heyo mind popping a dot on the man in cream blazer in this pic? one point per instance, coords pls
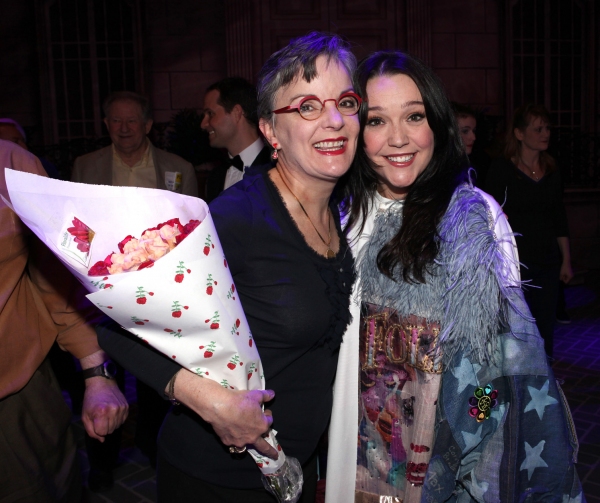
(132, 160)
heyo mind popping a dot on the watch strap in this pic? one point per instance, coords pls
(170, 393)
(97, 371)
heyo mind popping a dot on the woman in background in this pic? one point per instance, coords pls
(527, 182)
(456, 400)
(467, 126)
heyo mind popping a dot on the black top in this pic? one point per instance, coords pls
(535, 210)
(296, 302)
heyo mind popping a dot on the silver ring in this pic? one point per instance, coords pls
(237, 450)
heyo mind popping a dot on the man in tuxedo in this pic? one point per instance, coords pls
(231, 122)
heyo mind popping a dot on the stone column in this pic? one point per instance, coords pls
(238, 22)
(418, 29)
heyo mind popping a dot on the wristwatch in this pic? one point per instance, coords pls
(107, 370)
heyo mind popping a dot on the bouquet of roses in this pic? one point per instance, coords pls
(171, 286)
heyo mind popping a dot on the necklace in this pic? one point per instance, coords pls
(537, 178)
(330, 253)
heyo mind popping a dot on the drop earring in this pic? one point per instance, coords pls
(274, 155)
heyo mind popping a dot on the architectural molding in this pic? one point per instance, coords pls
(418, 29)
(238, 33)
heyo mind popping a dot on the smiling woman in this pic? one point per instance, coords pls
(443, 349)
(397, 137)
(314, 146)
(293, 271)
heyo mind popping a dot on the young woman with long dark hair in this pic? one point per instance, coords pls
(456, 400)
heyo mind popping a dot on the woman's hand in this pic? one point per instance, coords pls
(566, 272)
(236, 416)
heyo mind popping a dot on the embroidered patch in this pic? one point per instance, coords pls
(482, 402)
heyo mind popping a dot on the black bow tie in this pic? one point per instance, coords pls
(237, 163)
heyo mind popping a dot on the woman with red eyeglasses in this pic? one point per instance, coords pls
(281, 234)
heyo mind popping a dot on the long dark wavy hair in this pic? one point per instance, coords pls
(414, 248)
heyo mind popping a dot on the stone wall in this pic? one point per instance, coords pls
(19, 83)
(186, 52)
(185, 46)
(466, 52)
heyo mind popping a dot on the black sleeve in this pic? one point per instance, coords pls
(496, 180)
(561, 224)
(232, 214)
(137, 357)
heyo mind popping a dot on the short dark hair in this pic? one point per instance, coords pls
(463, 111)
(142, 101)
(299, 58)
(237, 91)
(415, 246)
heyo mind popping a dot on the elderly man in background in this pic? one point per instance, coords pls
(231, 123)
(38, 457)
(132, 160)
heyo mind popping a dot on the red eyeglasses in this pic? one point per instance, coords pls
(311, 107)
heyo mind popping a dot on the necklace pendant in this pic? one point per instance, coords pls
(330, 253)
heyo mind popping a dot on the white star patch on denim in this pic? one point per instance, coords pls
(472, 440)
(466, 373)
(533, 458)
(540, 399)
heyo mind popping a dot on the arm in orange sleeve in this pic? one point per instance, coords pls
(63, 310)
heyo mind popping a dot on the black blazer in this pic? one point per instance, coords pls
(216, 179)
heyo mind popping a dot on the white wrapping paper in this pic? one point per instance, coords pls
(185, 305)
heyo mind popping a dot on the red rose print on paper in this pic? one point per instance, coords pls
(234, 361)
(208, 245)
(251, 368)
(260, 461)
(226, 384)
(180, 272)
(234, 328)
(138, 321)
(209, 350)
(230, 292)
(209, 284)
(174, 333)
(214, 321)
(176, 309)
(101, 285)
(140, 295)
